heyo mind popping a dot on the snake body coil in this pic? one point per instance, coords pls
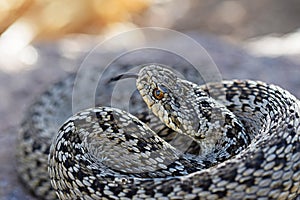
(246, 144)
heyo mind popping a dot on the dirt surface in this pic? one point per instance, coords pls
(19, 87)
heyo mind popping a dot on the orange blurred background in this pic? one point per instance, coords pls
(53, 18)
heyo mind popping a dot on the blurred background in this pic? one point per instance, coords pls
(267, 27)
(42, 40)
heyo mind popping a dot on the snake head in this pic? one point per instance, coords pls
(169, 98)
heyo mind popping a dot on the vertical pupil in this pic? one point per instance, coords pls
(157, 92)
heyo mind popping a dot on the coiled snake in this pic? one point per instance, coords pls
(242, 144)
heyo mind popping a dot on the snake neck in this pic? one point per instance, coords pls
(187, 109)
(219, 132)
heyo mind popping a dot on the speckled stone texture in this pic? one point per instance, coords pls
(18, 89)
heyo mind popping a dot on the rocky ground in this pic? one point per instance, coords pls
(19, 86)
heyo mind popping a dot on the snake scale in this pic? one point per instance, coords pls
(240, 139)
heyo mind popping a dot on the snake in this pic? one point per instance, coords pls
(239, 139)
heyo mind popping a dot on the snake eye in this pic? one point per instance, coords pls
(158, 94)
